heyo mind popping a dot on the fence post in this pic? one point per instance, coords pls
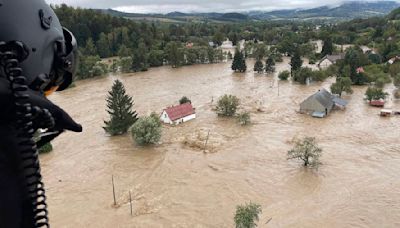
(112, 178)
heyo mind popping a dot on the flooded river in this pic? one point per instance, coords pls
(177, 185)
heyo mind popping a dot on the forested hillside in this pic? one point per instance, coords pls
(143, 44)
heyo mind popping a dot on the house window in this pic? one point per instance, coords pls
(165, 115)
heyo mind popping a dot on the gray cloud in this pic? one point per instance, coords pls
(165, 6)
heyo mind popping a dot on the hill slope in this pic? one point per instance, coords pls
(346, 11)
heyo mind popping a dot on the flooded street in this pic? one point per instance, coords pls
(177, 185)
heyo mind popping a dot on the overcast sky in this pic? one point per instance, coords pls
(166, 6)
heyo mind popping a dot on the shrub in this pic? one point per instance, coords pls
(147, 130)
(46, 148)
(227, 105)
(246, 216)
(318, 75)
(244, 118)
(284, 75)
(184, 100)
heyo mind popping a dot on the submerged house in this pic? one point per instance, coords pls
(321, 103)
(178, 114)
(329, 60)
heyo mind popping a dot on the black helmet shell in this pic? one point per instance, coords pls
(35, 24)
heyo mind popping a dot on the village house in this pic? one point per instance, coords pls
(227, 44)
(321, 103)
(393, 60)
(367, 50)
(178, 114)
(328, 60)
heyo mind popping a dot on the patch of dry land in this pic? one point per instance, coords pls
(176, 184)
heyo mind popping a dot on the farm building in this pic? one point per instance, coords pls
(377, 103)
(178, 114)
(321, 103)
(329, 60)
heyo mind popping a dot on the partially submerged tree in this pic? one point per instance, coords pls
(139, 58)
(244, 118)
(373, 93)
(296, 62)
(259, 67)
(306, 150)
(270, 65)
(119, 106)
(247, 215)
(174, 54)
(147, 130)
(342, 84)
(227, 105)
(327, 49)
(239, 62)
(302, 75)
(184, 100)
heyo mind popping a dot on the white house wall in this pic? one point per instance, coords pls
(325, 63)
(164, 118)
(185, 119)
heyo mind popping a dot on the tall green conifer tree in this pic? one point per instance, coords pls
(119, 106)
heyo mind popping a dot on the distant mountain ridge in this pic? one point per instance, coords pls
(346, 11)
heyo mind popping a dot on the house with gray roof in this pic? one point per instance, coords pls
(329, 60)
(321, 103)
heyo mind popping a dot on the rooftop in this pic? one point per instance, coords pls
(180, 111)
(324, 98)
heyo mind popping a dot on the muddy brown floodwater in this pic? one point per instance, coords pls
(177, 185)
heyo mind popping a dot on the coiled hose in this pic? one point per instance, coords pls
(27, 149)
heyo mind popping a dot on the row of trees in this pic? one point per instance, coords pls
(174, 54)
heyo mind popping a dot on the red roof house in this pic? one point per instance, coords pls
(178, 114)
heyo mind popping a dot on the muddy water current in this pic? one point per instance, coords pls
(177, 184)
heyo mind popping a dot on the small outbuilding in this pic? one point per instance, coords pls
(377, 103)
(321, 103)
(178, 114)
(386, 112)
